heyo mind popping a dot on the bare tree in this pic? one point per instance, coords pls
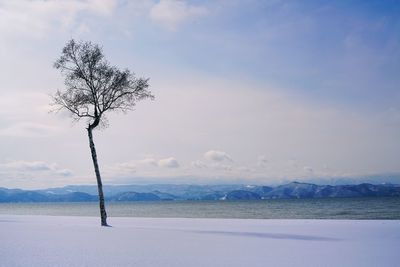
(93, 89)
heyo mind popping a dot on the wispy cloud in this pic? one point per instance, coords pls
(148, 161)
(198, 164)
(171, 14)
(37, 17)
(22, 115)
(28, 129)
(168, 163)
(148, 166)
(27, 166)
(215, 155)
(32, 170)
(262, 161)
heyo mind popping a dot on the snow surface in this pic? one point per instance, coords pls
(80, 241)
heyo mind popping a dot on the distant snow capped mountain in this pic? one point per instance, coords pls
(304, 190)
(242, 195)
(17, 195)
(292, 190)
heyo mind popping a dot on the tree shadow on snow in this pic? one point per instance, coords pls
(270, 235)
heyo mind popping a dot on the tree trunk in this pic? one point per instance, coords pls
(103, 213)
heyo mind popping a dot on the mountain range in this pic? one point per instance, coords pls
(198, 192)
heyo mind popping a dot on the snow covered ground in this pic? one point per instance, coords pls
(80, 241)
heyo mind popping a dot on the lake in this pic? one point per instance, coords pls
(333, 208)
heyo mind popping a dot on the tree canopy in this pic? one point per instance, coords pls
(93, 86)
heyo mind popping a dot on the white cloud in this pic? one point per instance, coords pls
(170, 14)
(198, 164)
(215, 155)
(148, 167)
(129, 166)
(17, 105)
(28, 129)
(222, 167)
(26, 166)
(149, 162)
(37, 17)
(30, 167)
(168, 163)
(64, 172)
(22, 115)
(123, 169)
(101, 7)
(37, 174)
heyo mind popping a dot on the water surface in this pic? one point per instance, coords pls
(338, 208)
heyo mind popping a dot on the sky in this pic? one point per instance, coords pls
(253, 92)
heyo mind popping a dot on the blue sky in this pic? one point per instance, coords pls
(246, 91)
(330, 50)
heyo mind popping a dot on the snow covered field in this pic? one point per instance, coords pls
(80, 241)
